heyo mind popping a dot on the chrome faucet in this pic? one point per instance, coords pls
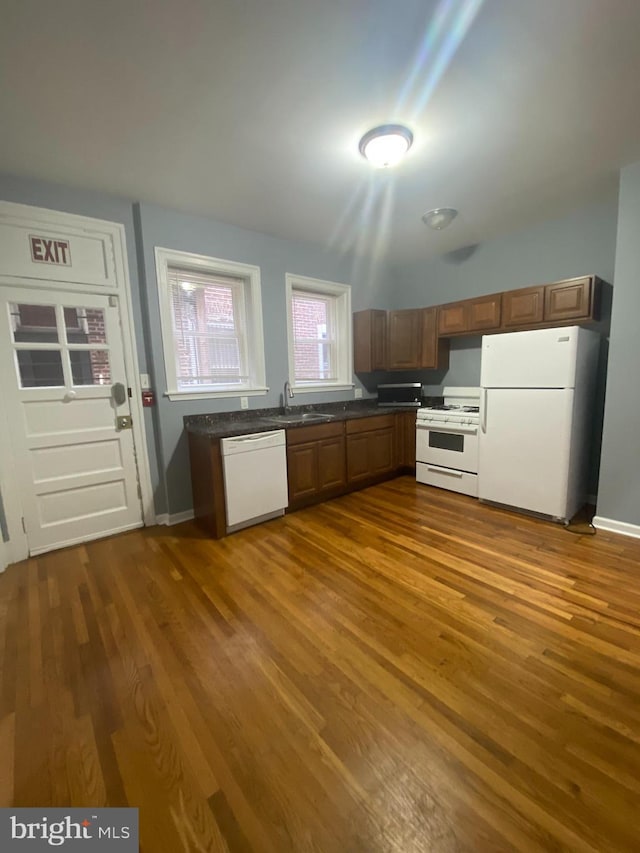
(287, 395)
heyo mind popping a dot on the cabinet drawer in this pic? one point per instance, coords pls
(366, 424)
(443, 478)
(315, 432)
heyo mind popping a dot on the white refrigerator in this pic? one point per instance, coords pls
(536, 411)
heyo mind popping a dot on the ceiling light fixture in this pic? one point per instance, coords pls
(386, 145)
(439, 217)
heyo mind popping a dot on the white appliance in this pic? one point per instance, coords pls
(535, 417)
(447, 442)
(255, 477)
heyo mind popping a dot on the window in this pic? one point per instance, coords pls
(319, 328)
(211, 317)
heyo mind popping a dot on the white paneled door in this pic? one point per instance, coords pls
(62, 378)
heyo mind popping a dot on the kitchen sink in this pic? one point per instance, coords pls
(304, 418)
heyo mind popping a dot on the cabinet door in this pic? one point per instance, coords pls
(406, 439)
(452, 319)
(568, 300)
(403, 339)
(331, 463)
(357, 457)
(435, 350)
(381, 451)
(522, 307)
(483, 314)
(302, 470)
(369, 341)
(378, 340)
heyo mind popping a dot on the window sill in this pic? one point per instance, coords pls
(213, 395)
(311, 389)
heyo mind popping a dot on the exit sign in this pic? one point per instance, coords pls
(49, 251)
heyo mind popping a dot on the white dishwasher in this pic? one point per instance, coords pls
(255, 477)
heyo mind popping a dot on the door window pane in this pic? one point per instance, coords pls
(40, 368)
(85, 326)
(33, 324)
(90, 367)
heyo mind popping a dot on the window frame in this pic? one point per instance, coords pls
(203, 264)
(341, 293)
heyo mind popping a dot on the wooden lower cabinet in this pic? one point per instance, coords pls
(207, 484)
(315, 463)
(371, 449)
(406, 440)
(323, 462)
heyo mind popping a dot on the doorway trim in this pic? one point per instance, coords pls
(23, 215)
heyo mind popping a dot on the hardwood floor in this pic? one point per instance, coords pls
(401, 669)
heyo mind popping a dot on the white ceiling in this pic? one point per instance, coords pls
(250, 111)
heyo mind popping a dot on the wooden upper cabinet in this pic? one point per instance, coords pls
(418, 338)
(369, 340)
(569, 300)
(435, 350)
(481, 314)
(404, 339)
(452, 319)
(523, 307)
(484, 313)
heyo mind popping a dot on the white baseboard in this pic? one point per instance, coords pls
(177, 517)
(613, 526)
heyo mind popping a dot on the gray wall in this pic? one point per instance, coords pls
(581, 242)
(619, 494)
(170, 229)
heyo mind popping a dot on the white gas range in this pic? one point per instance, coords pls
(447, 442)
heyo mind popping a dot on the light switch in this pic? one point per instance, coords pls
(145, 382)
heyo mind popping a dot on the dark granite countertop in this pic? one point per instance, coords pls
(226, 424)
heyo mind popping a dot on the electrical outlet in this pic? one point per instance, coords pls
(244, 402)
(358, 393)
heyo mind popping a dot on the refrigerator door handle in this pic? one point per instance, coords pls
(484, 410)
